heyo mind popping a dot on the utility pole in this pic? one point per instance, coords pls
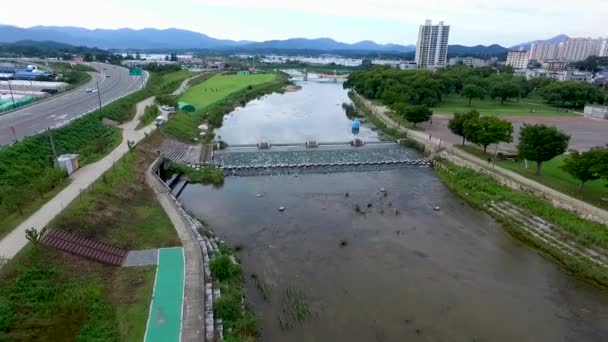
(53, 147)
(11, 91)
(98, 93)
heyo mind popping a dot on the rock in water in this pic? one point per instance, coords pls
(281, 208)
(436, 208)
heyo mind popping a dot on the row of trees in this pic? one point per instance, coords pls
(422, 87)
(539, 143)
(481, 130)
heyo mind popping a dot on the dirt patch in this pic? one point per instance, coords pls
(585, 133)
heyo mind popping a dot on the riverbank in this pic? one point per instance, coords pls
(574, 233)
(82, 299)
(27, 173)
(215, 97)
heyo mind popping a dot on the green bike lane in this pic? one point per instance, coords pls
(165, 317)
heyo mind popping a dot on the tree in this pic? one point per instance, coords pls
(571, 94)
(504, 90)
(541, 143)
(88, 57)
(366, 63)
(456, 124)
(471, 91)
(416, 114)
(601, 165)
(488, 130)
(584, 166)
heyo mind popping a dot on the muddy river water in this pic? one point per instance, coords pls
(395, 270)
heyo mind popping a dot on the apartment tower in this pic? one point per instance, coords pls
(432, 46)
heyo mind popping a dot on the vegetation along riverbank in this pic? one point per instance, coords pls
(217, 96)
(46, 294)
(28, 177)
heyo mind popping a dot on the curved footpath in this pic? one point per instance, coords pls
(583, 209)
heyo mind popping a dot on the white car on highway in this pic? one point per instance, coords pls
(89, 90)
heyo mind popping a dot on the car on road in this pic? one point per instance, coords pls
(107, 75)
(89, 90)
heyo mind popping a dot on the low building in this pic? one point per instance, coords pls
(564, 75)
(554, 65)
(598, 112)
(518, 59)
(470, 61)
(406, 65)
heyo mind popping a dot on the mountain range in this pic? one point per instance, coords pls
(155, 39)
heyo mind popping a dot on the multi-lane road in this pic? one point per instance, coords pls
(114, 82)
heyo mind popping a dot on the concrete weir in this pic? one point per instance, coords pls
(323, 158)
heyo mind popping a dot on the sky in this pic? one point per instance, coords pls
(505, 22)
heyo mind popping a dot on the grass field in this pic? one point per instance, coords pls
(456, 103)
(48, 295)
(220, 86)
(554, 177)
(216, 97)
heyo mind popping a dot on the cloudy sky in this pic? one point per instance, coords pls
(506, 22)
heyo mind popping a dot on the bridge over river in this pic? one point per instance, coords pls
(249, 160)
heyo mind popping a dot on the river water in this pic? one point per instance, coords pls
(312, 113)
(396, 270)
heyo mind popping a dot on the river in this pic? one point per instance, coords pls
(398, 270)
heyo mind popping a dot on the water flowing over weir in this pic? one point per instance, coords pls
(336, 157)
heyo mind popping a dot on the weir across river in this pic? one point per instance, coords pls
(250, 160)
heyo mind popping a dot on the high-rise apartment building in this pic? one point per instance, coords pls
(570, 50)
(518, 59)
(432, 46)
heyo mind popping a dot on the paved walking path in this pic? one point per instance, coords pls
(193, 323)
(165, 317)
(598, 214)
(11, 244)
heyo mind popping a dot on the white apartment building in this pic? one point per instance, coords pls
(432, 45)
(518, 59)
(470, 61)
(541, 51)
(570, 50)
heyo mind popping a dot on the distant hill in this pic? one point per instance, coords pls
(118, 39)
(557, 39)
(30, 48)
(154, 39)
(325, 44)
(476, 51)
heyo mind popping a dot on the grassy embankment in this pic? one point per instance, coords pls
(552, 176)
(48, 295)
(456, 103)
(27, 176)
(216, 97)
(480, 190)
(150, 113)
(240, 324)
(362, 108)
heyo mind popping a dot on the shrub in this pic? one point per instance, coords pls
(222, 268)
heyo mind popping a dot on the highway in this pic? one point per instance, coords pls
(61, 108)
